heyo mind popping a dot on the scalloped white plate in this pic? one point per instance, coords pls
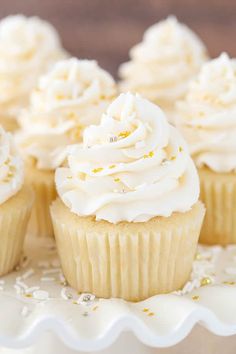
(35, 299)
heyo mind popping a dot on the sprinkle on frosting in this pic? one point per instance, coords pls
(11, 167)
(162, 65)
(150, 154)
(149, 188)
(124, 134)
(70, 97)
(98, 169)
(207, 115)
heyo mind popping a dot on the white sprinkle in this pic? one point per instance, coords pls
(65, 295)
(18, 289)
(51, 271)
(22, 284)
(40, 295)
(33, 288)
(230, 270)
(28, 273)
(1, 288)
(47, 279)
(25, 311)
(62, 278)
(2, 282)
(86, 299)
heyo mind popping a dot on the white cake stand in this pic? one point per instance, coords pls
(40, 312)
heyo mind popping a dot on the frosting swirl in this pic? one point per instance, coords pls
(131, 167)
(207, 115)
(11, 167)
(28, 46)
(162, 65)
(73, 95)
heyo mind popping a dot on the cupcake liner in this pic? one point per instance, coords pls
(42, 181)
(14, 216)
(218, 193)
(132, 261)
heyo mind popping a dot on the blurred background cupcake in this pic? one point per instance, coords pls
(16, 199)
(207, 119)
(163, 64)
(28, 47)
(71, 96)
(128, 218)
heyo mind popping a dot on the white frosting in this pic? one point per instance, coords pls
(207, 116)
(73, 95)
(11, 167)
(162, 65)
(131, 167)
(28, 47)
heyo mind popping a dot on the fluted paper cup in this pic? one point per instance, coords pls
(218, 193)
(14, 216)
(132, 261)
(43, 184)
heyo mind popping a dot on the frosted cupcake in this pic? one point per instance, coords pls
(73, 95)
(28, 47)
(15, 204)
(128, 218)
(162, 65)
(207, 119)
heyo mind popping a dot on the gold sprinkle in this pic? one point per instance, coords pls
(112, 166)
(150, 154)
(173, 158)
(145, 310)
(69, 177)
(96, 170)
(75, 302)
(205, 281)
(71, 115)
(198, 257)
(28, 295)
(195, 297)
(180, 149)
(94, 308)
(229, 283)
(124, 134)
(151, 314)
(117, 180)
(60, 97)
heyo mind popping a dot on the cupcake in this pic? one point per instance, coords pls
(162, 65)
(15, 204)
(72, 95)
(28, 47)
(206, 117)
(127, 219)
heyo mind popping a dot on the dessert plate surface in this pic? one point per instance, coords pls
(36, 298)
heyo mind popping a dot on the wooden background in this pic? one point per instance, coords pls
(106, 29)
